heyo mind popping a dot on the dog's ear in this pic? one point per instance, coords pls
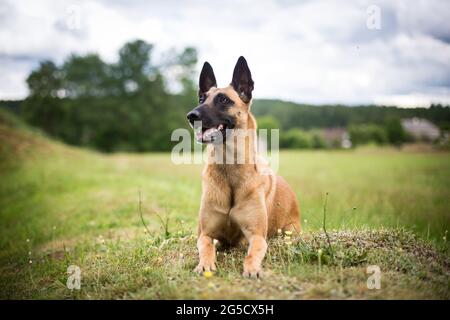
(207, 79)
(242, 80)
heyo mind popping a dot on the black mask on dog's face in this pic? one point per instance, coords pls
(220, 109)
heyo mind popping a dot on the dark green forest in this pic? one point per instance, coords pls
(127, 105)
(294, 115)
(123, 106)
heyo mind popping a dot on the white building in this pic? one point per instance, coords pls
(421, 129)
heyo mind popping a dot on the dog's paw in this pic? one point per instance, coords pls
(252, 272)
(202, 267)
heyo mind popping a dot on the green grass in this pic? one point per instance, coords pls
(62, 206)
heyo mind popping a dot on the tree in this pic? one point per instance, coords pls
(121, 106)
(133, 68)
(395, 133)
(295, 139)
(41, 107)
(45, 81)
(367, 133)
(86, 76)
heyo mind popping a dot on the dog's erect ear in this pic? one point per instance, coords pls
(242, 80)
(207, 79)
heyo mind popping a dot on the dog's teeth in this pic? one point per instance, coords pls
(220, 127)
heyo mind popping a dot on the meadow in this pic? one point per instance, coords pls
(128, 221)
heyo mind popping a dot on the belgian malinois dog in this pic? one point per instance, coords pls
(243, 202)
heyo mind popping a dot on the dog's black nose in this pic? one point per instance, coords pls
(194, 115)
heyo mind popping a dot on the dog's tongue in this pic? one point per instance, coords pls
(208, 134)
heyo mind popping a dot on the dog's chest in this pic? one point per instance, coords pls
(228, 231)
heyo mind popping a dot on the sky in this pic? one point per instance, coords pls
(320, 52)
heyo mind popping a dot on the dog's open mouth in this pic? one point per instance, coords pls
(206, 135)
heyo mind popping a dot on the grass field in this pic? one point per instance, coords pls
(62, 206)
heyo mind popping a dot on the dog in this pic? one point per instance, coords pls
(242, 202)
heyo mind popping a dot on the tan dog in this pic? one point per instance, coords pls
(241, 200)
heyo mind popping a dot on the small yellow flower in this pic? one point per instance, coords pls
(288, 233)
(319, 252)
(207, 274)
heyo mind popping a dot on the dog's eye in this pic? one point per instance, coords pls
(201, 98)
(224, 100)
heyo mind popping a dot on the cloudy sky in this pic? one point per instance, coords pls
(350, 52)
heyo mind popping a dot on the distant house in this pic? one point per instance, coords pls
(421, 129)
(337, 137)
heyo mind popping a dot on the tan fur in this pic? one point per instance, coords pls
(239, 203)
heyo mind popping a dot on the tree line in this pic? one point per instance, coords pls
(302, 124)
(120, 106)
(128, 105)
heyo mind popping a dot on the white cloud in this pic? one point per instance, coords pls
(314, 51)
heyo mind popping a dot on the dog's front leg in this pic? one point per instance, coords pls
(255, 255)
(207, 253)
(251, 216)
